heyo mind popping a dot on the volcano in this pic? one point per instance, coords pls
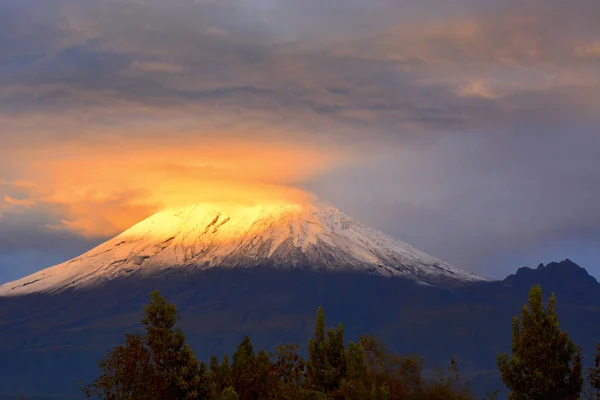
(263, 270)
(203, 236)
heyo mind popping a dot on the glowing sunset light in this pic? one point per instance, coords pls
(432, 121)
(221, 222)
(104, 190)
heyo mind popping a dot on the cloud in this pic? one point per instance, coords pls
(18, 202)
(451, 116)
(476, 89)
(591, 50)
(155, 66)
(225, 56)
(479, 202)
(102, 189)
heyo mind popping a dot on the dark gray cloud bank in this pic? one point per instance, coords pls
(471, 129)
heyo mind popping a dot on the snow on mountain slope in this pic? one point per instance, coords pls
(239, 236)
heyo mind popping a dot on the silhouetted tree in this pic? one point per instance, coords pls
(242, 370)
(594, 375)
(379, 392)
(220, 375)
(355, 384)
(316, 353)
(545, 364)
(289, 367)
(400, 375)
(326, 365)
(127, 373)
(266, 382)
(448, 387)
(177, 368)
(390, 376)
(159, 365)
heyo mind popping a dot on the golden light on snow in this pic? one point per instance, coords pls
(231, 235)
(219, 222)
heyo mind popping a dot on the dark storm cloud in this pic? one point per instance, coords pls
(246, 55)
(473, 124)
(482, 200)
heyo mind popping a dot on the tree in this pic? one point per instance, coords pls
(290, 371)
(229, 393)
(448, 387)
(159, 365)
(176, 366)
(326, 367)
(379, 392)
(242, 369)
(253, 376)
(594, 375)
(220, 375)
(266, 382)
(289, 366)
(545, 364)
(400, 375)
(315, 367)
(127, 373)
(335, 356)
(356, 383)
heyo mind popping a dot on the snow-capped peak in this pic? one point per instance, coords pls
(242, 236)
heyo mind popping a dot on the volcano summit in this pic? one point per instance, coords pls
(204, 236)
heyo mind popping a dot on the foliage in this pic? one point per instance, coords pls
(594, 376)
(545, 364)
(229, 393)
(220, 375)
(327, 357)
(158, 365)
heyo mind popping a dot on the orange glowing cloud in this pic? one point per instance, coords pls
(101, 190)
(18, 202)
(590, 50)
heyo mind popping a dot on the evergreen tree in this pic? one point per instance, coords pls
(205, 383)
(159, 365)
(326, 365)
(242, 370)
(316, 353)
(220, 375)
(176, 366)
(265, 382)
(335, 356)
(356, 382)
(126, 373)
(545, 364)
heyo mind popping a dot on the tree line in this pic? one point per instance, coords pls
(544, 364)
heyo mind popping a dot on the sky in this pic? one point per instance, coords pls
(467, 128)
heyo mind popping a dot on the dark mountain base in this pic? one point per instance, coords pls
(49, 343)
